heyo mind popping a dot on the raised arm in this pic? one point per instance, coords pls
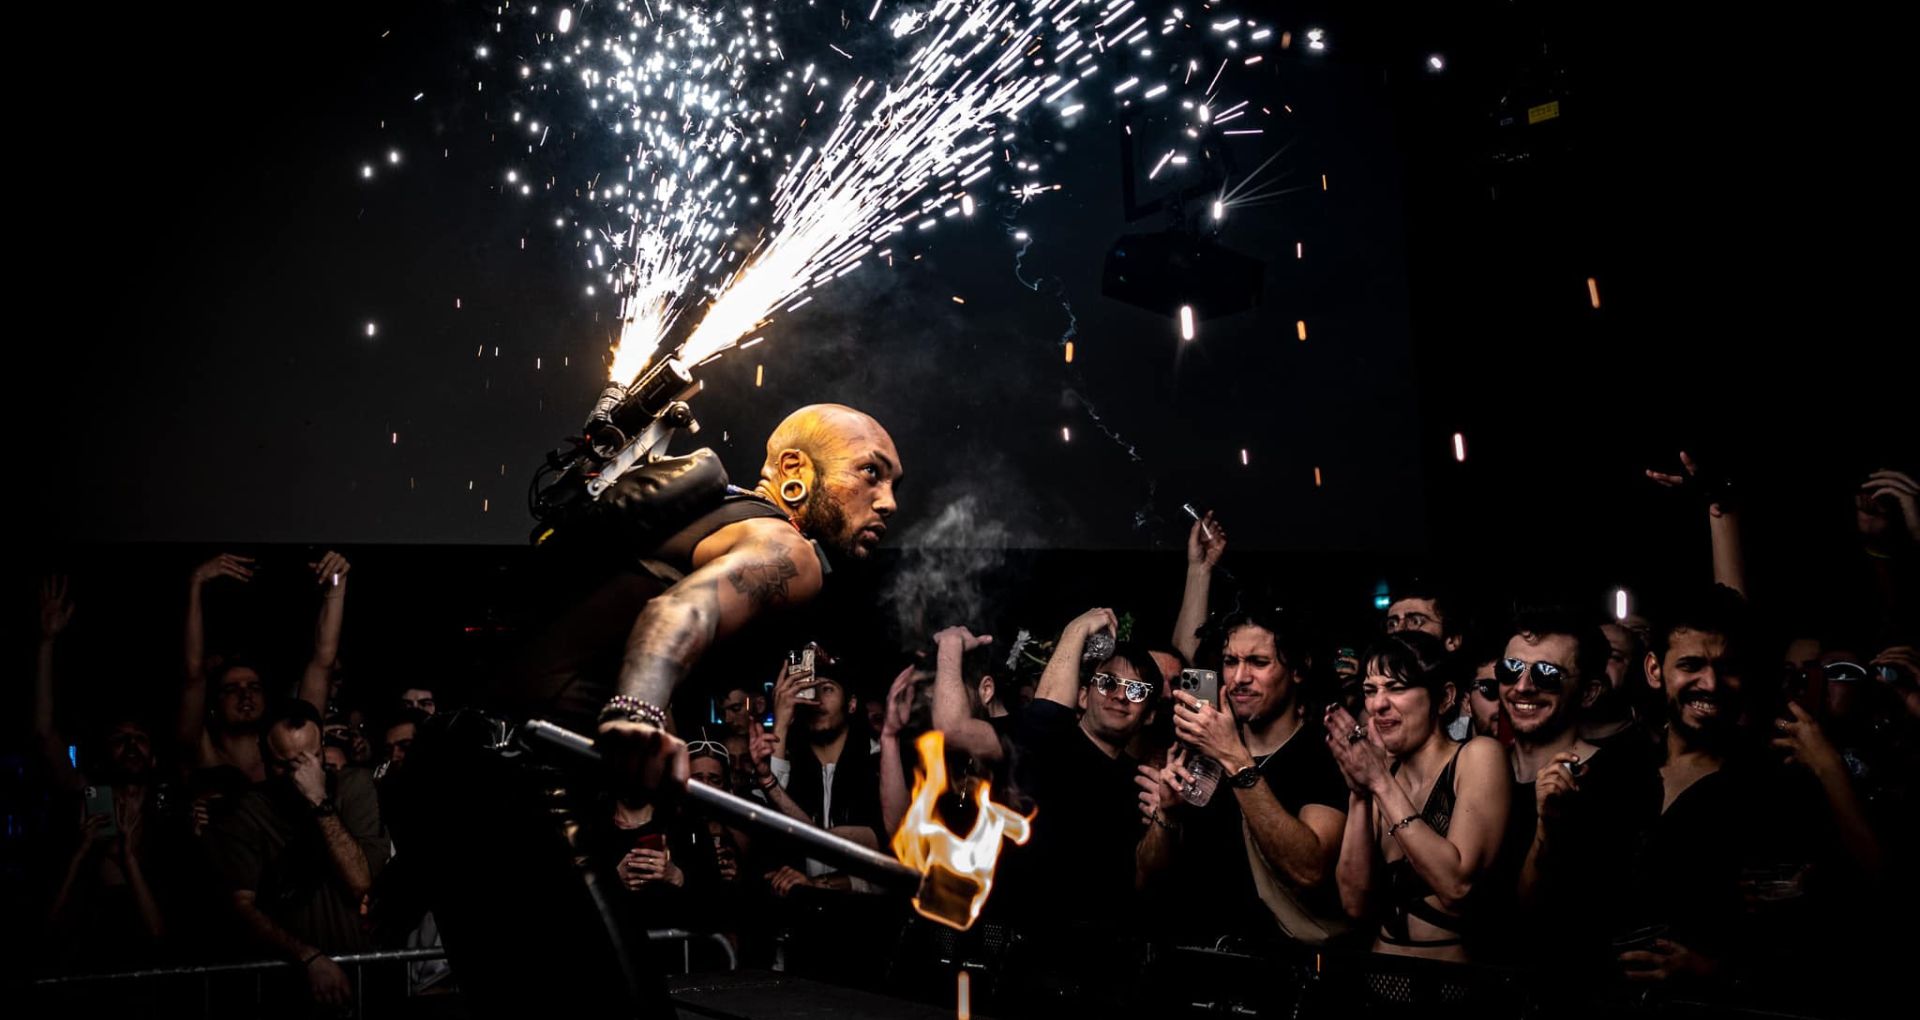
(1206, 543)
(1060, 682)
(56, 611)
(1729, 565)
(190, 727)
(952, 706)
(894, 792)
(330, 575)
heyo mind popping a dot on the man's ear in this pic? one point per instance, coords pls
(796, 464)
(1652, 668)
(986, 690)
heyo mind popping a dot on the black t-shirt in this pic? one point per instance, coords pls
(1078, 866)
(1592, 841)
(1215, 879)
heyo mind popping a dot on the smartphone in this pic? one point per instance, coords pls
(766, 720)
(800, 668)
(1203, 684)
(1639, 941)
(651, 841)
(100, 802)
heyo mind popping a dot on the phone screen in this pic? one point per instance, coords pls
(100, 802)
(651, 841)
(766, 721)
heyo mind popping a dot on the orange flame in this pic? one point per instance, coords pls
(957, 870)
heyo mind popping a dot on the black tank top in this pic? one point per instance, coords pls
(1407, 892)
(570, 663)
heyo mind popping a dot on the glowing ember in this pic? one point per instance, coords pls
(958, 869)
(1593, 291)
(1186, 322)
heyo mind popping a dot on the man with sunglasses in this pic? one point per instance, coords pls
(1076, 873)
(1576, 807)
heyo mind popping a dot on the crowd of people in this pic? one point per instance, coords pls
(1708, 800)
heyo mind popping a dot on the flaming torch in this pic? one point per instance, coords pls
(949, 875)
(958, 869)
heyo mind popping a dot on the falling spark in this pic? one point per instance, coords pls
(1593, 291)
(1299, 249)
(1300, 327)
(1316, 478)
(1069, 352)
(566, 20)
(1459, 447)
(1323, 182)
(963, 1006)
(759, 375)
(1065, 434)
(1186, 322)
(396, 439)
(1620, 603)
(958, 300)
(370, 329)
(1243, 456)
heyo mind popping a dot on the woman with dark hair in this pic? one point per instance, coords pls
(1424, 813)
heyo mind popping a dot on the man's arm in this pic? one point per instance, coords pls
(894, 794)
(1304, 849)
(343, 849)
(769, 567)
(1206, 543)
(331, 575)
(1060, 682)
(1729, 566)
(325, 979)
(952, 707)
(56, 611)
(190, 726)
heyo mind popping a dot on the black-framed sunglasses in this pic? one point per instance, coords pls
(1550, 678)
(1137, 691)
(1841, 672)
(1488, 689)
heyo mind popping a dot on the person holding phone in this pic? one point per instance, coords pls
(1257, 864)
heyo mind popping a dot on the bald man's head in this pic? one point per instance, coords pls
(835, 470)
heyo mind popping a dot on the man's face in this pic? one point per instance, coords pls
(1111, 716)
(1483, 700)
(1701, 685)
(1620, 657)
(417, 698)
(853, 491)
(1539, 708)
(709, 770)
(736, 710)
(399, 738)
(130, 749)
(829, 715)
(285, 744)
(241, 698)
(1254, 683)
(1416, 614)
(333, 759)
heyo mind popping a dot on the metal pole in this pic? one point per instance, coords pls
(817, 842)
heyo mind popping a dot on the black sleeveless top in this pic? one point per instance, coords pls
(1407, 892)
(570, 663)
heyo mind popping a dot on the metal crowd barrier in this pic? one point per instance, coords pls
(354, 963)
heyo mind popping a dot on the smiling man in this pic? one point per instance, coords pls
(1577, 807)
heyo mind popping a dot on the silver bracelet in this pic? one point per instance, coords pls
(632, 709)
(1402, 823)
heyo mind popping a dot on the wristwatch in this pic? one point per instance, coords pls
(1247, 778)
(324, 808)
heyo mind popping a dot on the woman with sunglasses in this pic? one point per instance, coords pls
(1424, 814)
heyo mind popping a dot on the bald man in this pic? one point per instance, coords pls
(828, 480)
(515, 913)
